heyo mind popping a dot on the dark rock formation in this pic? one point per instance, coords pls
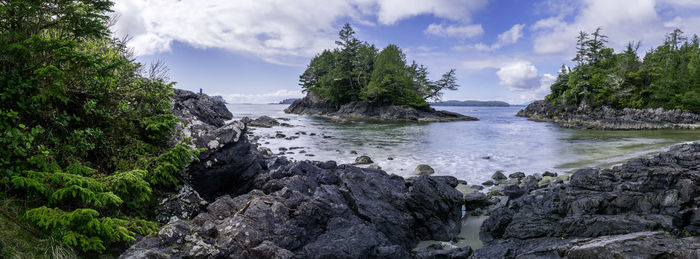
(203, 113)
(362, 110)
(261, 122)
(436, 251)
(608, 118)
(314, 209)
(605, 212)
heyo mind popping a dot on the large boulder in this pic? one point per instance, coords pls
(644, 194)
(317, 209)
(200, 112)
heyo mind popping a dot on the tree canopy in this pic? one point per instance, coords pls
(358, 71)
(84, 131)
(667, 77)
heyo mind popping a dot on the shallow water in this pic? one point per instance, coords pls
(468, 150)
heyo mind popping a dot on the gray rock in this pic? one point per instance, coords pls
(498, 175)
(423, 169)
(593, 214)
(607, 118)
(488, 183)
(363, 160)
(437, 251)
(516, 175)
(185, 204)
(261, 122)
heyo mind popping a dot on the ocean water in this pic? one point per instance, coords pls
(468, 150)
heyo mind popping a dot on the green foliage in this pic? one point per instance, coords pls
(85, 132)
(668, 77)
(357, 71)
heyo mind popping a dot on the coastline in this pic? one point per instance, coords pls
(606, 118)
(242, 198)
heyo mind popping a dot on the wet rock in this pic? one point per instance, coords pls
(423, 169)
(283, 149)
(353, 152)
(262, 122)
(486, 157)
(374, 167)
(475, 200)
(550, 174)
(280, 135)
(437, 251)
(265, 151)
(363, 160)
(516, 175)
(498, 175)
(488, 183)
(389, 158)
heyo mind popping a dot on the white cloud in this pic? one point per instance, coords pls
(621, 20)
(519, 75)
(274, 97)
(462, 32)
(391, 11)
(511, 36)
(278, 31)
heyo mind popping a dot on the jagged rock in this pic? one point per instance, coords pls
(423, 169)
(363, 110)
(498, 175)
(262, 122)
(438, 251)
(516, 175)
(185, 204)
(644, 194)
(200, 112)
(318, 209)
(608, 118)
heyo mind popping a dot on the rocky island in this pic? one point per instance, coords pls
(607, 90)
(357, 81)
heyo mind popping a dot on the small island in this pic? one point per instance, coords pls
(358, 81)
(607, 90)
(471, 103)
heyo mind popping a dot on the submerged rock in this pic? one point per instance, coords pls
(261, 122)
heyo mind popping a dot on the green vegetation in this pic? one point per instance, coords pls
(84, 131)
(668, 76)
(357, 71)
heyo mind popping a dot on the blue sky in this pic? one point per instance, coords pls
(510, 50)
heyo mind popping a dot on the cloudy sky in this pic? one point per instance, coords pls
(510, 50)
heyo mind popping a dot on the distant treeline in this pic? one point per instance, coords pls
(667, 77)
(288, 101)
(471, 103)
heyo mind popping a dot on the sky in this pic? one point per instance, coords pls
(253, 51)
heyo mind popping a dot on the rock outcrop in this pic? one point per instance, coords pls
(608, 118)
(201, 112)
(610, 212)
(314, 209)
(268, 207)
(363, 110)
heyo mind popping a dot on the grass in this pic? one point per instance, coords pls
(17, 242)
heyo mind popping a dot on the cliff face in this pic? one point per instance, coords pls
(363, 110)
(608, 118)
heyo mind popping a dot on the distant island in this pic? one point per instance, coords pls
(288, 101)
(608, 90)
(471, 103)
(359, 81)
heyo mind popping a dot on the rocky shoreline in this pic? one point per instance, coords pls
(241, 203)
(314, 105)
(610, 119)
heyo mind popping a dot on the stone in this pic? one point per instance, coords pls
(498, 175)
(516, 175)
(550, 174)
(184, 204)
(363, 160)
(423, 169)
(488, 183)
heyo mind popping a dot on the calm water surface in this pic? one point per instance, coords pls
(469, 150)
